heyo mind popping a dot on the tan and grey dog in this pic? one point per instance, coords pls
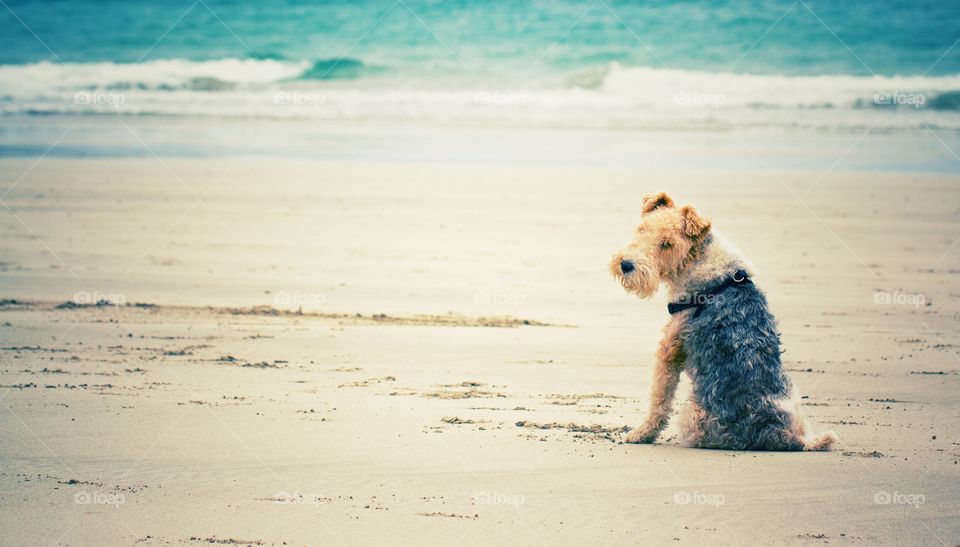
(720, 332)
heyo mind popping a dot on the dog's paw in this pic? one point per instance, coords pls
(640, 435)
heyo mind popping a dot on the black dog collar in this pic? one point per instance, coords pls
(701, 299)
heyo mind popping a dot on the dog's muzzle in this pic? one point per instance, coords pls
(635, 274)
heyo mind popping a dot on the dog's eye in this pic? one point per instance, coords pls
(665, 244)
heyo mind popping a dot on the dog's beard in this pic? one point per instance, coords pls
(643, 281)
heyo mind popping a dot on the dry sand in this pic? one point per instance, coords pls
(462, 367)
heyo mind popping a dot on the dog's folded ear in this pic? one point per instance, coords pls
(656, 201)
(694, 225)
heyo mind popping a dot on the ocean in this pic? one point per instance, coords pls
(663, 66)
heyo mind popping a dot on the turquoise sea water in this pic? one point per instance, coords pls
(600, 65)
(490, 37)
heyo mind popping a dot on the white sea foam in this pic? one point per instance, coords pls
(611, 96)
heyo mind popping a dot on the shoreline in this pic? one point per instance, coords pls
(922, 149)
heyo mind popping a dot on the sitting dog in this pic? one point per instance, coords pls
(720, 332)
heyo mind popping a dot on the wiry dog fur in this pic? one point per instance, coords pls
(741, 398)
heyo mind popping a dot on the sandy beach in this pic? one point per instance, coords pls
(270, 352)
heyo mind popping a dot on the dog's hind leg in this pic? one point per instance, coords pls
(821, 443)
(799, 429)
(666, 376)
(792, 437)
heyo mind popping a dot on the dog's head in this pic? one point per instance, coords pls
(662, 244)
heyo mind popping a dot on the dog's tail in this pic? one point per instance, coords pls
(821, 443)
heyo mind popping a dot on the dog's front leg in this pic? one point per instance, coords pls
(666, 376)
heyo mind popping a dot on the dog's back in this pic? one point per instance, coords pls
(733, 356)
(733, 350)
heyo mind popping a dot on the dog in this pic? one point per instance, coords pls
(720, 332)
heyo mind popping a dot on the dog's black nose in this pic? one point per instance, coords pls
(626, 266)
